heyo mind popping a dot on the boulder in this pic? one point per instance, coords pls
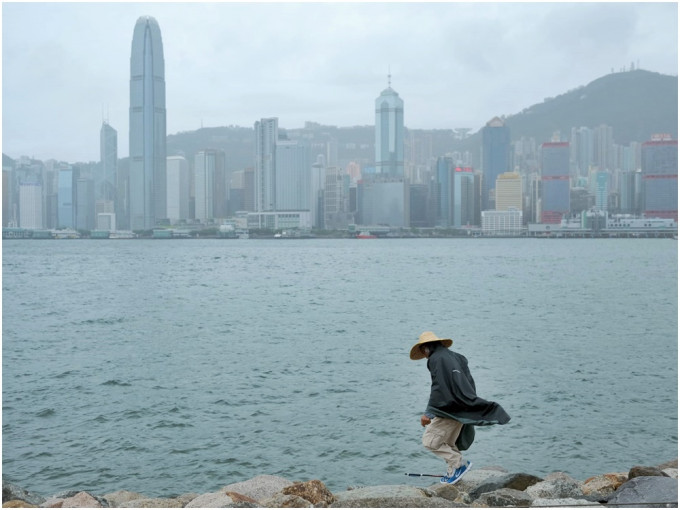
(153, 503)
(601, 486)
(11, 492)
(446, 491)
(562, 502)
(671, 472)
(115, 499)
(388, 496)
(259, 488)
(81, 500)
(556, 486)
(313, 491)
(281, 500)
(18, 503)
(52, 503)
(476, 477)
(650, 491)
(516, 481)
(218, 499)
(503, 497)
(669, 464)
(645, 471)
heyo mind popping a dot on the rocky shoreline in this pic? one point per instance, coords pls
(642, 486)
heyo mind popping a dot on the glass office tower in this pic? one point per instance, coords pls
(147, 126)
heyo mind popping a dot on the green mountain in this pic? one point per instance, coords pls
(635, 103)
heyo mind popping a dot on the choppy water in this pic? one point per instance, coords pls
(166, 367)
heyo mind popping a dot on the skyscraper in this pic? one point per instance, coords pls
(147, 126)
(389, 133)
(555, 181)
(495, 158)
(660, 177)
(105, 183)
(266, 136)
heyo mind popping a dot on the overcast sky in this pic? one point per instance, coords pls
(66, 67)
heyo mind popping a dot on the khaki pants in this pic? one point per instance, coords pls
(440, 438)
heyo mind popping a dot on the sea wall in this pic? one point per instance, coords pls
(641, 486)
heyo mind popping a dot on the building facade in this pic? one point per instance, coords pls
(147, 178)
(293, 171)
(495, 158)
(555, 183)
(660, 177)
(178, 189)
(30, 205)
(105, 182)
(266, 136)
(509, 191)
(389, 133)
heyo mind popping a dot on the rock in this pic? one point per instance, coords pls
(503, 497)
(18, 503)
(281, 500)
(601, 486)
(388, 496)
(313, 491)
(516, 481)
(52, 503)
(671, 472)
(476, 477)
(446, 491)
(646, 490)
(669, 464)
(115, 499)
(556, 486)
(153, 503)
(211, 500)
(645, 471)
(259, 488)
(562, 502)
(11, 492)
(240, 498)
(82, 500)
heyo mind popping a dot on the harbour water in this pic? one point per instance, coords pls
(166, 367)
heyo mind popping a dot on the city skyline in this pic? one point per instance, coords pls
(456, 65)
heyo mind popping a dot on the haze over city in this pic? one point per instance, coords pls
(455, 64)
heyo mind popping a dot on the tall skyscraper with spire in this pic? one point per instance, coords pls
(389, 132)
(147, 126)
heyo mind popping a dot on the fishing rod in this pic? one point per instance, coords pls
(423, 474)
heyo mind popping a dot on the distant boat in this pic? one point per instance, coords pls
(365, 235)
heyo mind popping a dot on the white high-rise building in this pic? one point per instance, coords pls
(204, 179)
(178, 189)
(266, 136)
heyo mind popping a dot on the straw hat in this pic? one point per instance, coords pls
(428, 336)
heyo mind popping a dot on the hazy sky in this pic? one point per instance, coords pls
(66, 66)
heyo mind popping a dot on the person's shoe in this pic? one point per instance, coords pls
(457, 474)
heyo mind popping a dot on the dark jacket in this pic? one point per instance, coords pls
(453, 395)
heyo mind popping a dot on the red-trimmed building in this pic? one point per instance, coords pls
(554, 181)
(660, 177)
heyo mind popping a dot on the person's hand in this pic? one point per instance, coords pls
(425, 421)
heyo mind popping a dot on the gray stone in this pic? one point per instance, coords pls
(562, 502)
(11, 492)
(153, 503)
(81, 500)
(503, 497)
(516, 481)
(476, 477)
(444, 490)
(281, 500)
(645, 471)
(115, 499)
(651, 491)
(600, 486)
(389, 496)
(259, 488)
(556, 486)
(211, 500)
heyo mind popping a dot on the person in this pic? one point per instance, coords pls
(454, 407)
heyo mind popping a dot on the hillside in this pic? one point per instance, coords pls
(635, 103)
